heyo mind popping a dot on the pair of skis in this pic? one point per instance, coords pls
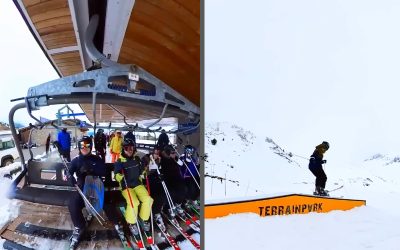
(183, 232)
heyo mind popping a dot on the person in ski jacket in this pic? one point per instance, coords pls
(163, 140)
(84, 164)
(48, 144)
(100, 144)
(130, 134)
(116, 146)
(64, 142)
(190, 172)
(171, 174)
(129, 174)
(154, 184)
(315, 166)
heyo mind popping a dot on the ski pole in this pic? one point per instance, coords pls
(132, 206)
(151, 209)
(191, 173)
(191, 159)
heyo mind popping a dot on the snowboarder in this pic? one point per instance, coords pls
(163, 140)
(315, 167)
(100, 144)
(128, 172)
(64, 140)
(84, 164)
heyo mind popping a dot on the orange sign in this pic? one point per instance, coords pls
(282, 205)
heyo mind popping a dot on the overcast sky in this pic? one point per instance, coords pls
(22, 65)
(306, 71)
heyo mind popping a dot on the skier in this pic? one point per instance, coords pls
(315, 167)
(64, 141)
(190, 172)
(163, 140)
(171, 174)
(128, 172)
(84, 164)
(130, 134)
(115, 146)
(100, 144)
(155, 186)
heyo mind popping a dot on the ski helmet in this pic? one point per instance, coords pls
(189, 149)
(326, 144)
(85, 142)
(128, 142)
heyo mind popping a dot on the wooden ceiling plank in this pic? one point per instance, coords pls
(64, 64)
(193, 6)
(50, 14)
(168, 27)
(54, 22)
(58, 35)
(138, 53)
(68, 59)
(66, 42)
(159, 44)
(66, 55)
(56, 28)
(43, 7)
(176, 10)
(150, 14)
(28, 3)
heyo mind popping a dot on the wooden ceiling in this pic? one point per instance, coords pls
(161, 36)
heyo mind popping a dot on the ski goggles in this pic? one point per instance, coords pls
(189, 151)
(84, 144)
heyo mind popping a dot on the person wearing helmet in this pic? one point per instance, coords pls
(315, 166)
(115, 146)
(172, 176)
(130, 134)
(163, 140)
(84, 164)
(129, 174)
(155, 185)
(190, 172)
(100, 144)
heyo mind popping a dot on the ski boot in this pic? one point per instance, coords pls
(76, 234)
(134, 229)
(160, 222)
(320, 191)
(179, 210)
(146, 225)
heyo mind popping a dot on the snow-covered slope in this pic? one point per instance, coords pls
(257, 165)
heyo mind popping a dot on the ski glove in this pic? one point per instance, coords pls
(323, 161)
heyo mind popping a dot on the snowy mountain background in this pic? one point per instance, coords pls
(243, 164)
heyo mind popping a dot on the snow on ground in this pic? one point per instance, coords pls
(254, 165)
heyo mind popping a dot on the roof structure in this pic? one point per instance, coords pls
(162, 37)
